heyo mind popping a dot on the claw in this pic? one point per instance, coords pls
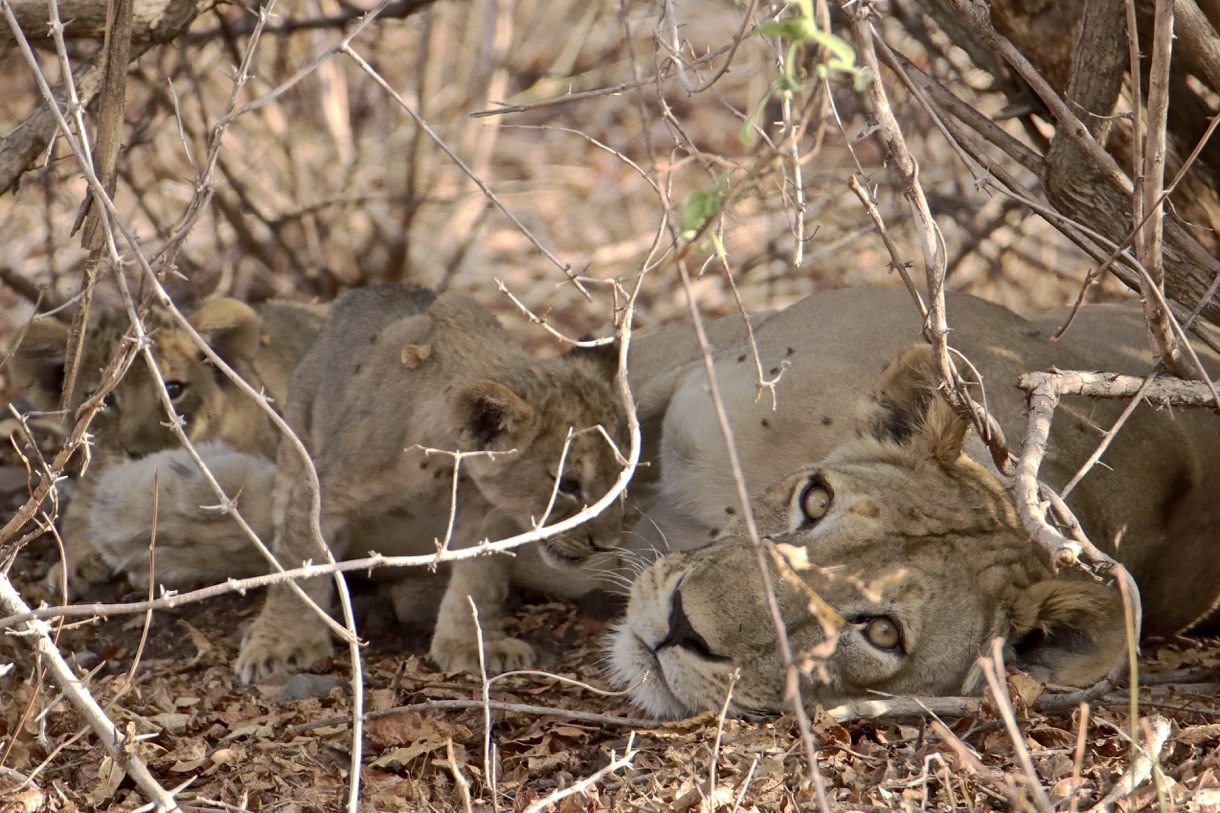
(263, 655)
(499, 654)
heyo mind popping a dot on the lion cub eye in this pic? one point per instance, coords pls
(569, 486)
(882, 632)
(175, 389)
(815, 500)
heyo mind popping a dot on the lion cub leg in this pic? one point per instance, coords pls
(485, 581)
(288, 635)
(455, 642)
(82, 565)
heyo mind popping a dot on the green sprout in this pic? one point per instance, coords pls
(698, 207)
(796, 32)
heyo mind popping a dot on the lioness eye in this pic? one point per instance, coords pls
(175, 389)
(569, 486)
(815, 500)
(882, 632)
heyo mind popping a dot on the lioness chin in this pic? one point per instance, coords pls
(397, 382)
(903, 556)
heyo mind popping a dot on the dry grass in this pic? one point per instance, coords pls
(331, 185)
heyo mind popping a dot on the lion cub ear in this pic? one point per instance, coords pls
(1068, 631)
(601, 359)
(491, 417)
(230, 327)
(37, 365)
(907, 409)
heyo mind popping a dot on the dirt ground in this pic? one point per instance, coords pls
(329, 184)
(248, 748)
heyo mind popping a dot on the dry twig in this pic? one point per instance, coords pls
(931, 241)
(1142, 768)
(616, 763)
(1149, 197)
(115, 741)
(993, 669)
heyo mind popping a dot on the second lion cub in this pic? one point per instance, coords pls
(395, 371)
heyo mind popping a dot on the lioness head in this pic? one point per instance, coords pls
(902, 561)
(134, 423)
(549, 414)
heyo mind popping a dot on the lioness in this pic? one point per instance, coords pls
(263, 346)
(910, 536)
(394, 377)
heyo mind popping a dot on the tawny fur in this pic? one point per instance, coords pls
(919, 529)
(158, 502)
(919, 532)
(394, 373)
(262, 345)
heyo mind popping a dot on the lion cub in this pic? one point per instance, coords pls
(396, 373)
(262, 346)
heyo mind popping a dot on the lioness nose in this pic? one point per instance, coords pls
(683, 634)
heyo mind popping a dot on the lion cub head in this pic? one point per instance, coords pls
(133, 422)
(561, 417)
(901, 559)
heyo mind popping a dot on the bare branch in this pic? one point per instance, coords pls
(603, 92)
(167, 19)
(993, 669)
(1143, 767)
(1045, 390)
(576, 715)
(483, 187)
(616, 763)
(1160, 391)
(792, 683)
(931, 241)
(117, 744)
(1148, 240)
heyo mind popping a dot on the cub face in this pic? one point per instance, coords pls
(899, 561)
(133, 422)
(548, 458)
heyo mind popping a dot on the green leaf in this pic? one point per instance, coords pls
(839, 48)
(746, 134)
(698, 207)
(797, 29)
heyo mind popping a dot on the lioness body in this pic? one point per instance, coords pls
(395, 380)
(262, 346)
(915, 534)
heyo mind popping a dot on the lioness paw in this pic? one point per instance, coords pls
(459, 654)
(266, 651)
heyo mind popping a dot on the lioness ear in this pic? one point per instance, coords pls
(907, 409)
(1068, 631)
(602, 359)
(491, 416)
(229, 326)
(37, 365)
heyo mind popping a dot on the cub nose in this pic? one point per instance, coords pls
(683, 634)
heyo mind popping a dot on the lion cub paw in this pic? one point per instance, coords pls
(87, 571)
(459, 654)
(266, 650)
